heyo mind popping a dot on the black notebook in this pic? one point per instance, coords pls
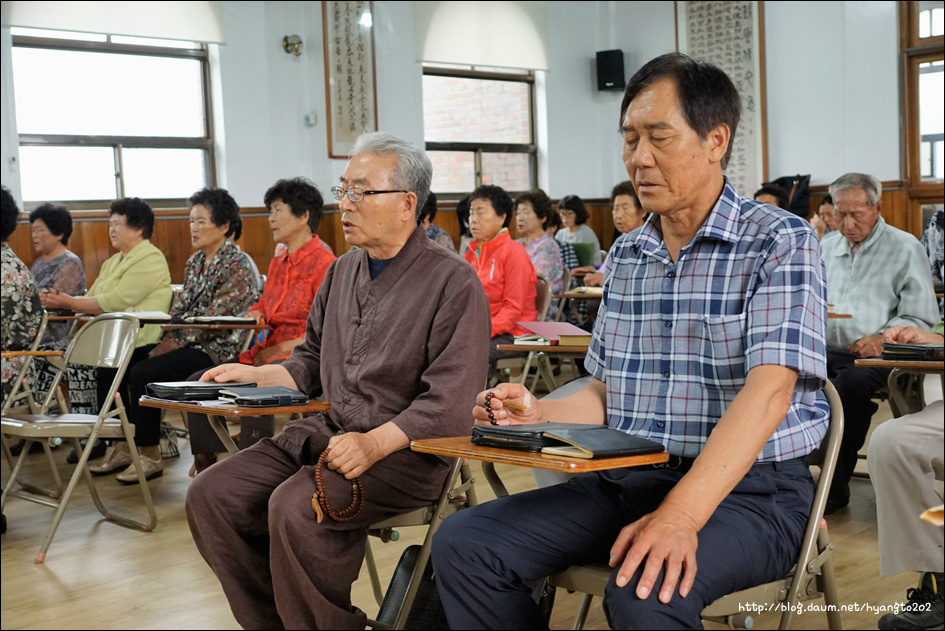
(930, 351)
(272, 396)
(191, 390)
(573, 440)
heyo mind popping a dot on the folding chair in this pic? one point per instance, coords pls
(458, 493)
(812, 576)
(107, 341)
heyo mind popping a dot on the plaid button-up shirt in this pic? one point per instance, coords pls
(674, 341)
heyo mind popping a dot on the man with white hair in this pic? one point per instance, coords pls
(880, 275)
(397, 342)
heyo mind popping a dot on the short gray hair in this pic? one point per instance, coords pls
(414, 171)
(868, 183)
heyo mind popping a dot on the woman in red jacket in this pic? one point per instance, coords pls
(503, 267)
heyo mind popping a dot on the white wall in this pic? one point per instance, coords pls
(643, 30)
(832, 81)
(267, 93)
(833, 89)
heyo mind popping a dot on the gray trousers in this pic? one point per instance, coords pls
(252, 520)
(905, 458)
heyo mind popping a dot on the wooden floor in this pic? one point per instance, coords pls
(101, 576)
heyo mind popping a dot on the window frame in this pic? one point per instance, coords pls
(118, 143)
(915, 50)
(480, 148)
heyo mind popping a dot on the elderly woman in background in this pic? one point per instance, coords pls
(218, 280)
(824, 221)
(136, 278)
(295, 274)
(503, 266)
(56, 268)
(574, 217)
(532, 214)
(568, 256)
(20, 308)
(628, 216)
(434, 232)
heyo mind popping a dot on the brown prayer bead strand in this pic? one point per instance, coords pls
(320, 499)
(488, 405)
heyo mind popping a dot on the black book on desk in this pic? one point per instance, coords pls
(914, 352)
(268, 397)
(573, 440)
(190, 390)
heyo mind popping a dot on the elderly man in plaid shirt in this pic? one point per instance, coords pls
(709, 340)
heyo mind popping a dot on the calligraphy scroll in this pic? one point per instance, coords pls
(350, 88)
(730, 35)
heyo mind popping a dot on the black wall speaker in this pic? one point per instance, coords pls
(610, 70)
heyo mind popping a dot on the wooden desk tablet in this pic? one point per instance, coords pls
(904, 402)
(928, 366)
(461, 447)
(214, 326)
(12, 354)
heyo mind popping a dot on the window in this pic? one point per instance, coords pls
(479, 127)
(922, 25)
(101, 117)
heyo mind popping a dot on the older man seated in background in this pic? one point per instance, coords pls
(879, 274)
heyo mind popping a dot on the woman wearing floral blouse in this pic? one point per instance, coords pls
(533, 213)
(19, 300)
(295, 274)
(218, 280)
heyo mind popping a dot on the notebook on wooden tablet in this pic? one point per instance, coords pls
(573, 440)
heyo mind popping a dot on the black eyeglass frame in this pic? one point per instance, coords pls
(338, 192)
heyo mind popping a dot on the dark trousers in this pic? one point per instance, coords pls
(483, 556)
(856, 387)
(142, 370)
(252, 520)
(495, 354)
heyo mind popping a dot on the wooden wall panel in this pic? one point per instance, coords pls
(172, 235)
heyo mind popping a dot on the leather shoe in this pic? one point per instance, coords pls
(98, 450)
(17, 449)
(117, 457)
(838, 498)
(203, 460)
(151, 464)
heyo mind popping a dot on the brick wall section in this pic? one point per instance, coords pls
(476, 110)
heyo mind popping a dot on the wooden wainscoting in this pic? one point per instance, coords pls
(90, 241)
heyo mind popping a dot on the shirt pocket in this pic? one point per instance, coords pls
(723, 352)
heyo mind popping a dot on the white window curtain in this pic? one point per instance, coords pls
(189, 21)
(500, 34)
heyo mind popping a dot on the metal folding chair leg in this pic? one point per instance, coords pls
(458, 485)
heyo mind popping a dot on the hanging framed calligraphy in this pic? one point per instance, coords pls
(350, 81)
(731, 36)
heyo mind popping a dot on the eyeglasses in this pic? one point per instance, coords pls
(356, 194)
